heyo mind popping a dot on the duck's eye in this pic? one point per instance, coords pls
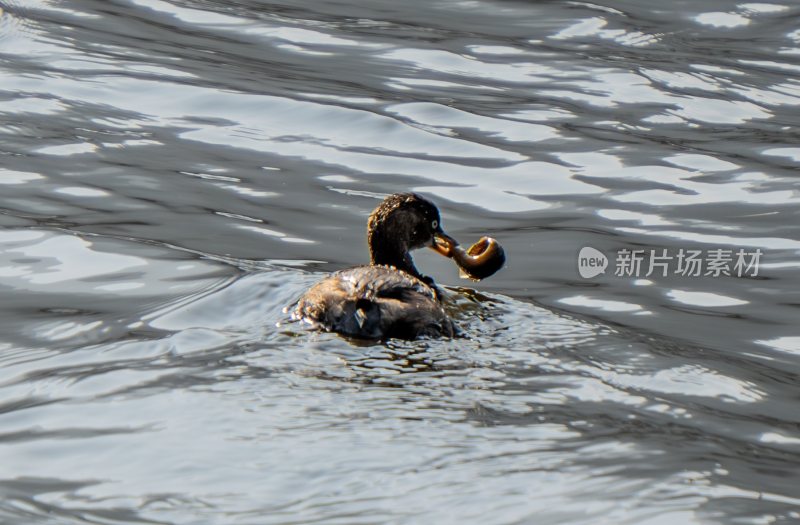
(435, 224)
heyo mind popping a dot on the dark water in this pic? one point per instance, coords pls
(173, 173)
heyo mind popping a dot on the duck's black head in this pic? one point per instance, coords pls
(401, 223)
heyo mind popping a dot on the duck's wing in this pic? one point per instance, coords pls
(374, 302)
(384, 281)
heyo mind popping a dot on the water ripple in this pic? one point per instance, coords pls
(175, 173)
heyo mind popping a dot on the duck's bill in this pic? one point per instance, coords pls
(443, 244)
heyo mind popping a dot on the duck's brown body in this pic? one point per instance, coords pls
(375, 302)
(388, 298)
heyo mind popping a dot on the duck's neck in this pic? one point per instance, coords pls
(391, 253)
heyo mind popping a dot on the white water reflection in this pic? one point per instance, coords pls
(775, 437)
(770, 243)
(689, 380)
(273, 233)
(59, 259)
(77, 191)
(601, 304)
(687, 190)
(441, 117)
(707, 299)
(69, 149)
(784, 344)
(719, 19)
(792, 153)
(703, 163)
(595, 27)
(26, 104)
(43, 261)
(8, 177)
(189, 15)
(645, 219)
(438, 62)
(758, 7)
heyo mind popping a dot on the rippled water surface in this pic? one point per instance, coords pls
(174, 172)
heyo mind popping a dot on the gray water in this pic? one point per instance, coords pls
(174, 172)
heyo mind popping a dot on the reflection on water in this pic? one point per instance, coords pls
(172, 174)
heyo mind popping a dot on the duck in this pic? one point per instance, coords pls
(389, 297)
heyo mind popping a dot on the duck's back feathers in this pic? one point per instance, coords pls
(374, 302)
